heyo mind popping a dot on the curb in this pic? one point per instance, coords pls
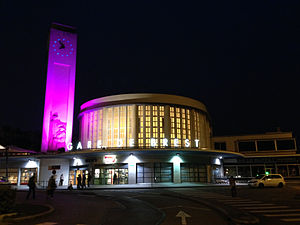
(248, 219)
(18, 219)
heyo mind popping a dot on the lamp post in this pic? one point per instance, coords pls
(6, 163)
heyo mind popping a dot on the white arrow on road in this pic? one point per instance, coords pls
(47, 223)
(183, 216)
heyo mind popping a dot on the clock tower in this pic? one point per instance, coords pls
(60, 88)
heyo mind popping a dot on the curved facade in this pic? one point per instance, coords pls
(144, 121)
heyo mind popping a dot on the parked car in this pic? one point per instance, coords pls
(272, 180)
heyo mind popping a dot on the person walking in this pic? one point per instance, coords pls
(51, 186)
(83, 181)
(61, 180)
(89, 179)
(232, 186)
(79, 181)
(31, 185)
(115, 179)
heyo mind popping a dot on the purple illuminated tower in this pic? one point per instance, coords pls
(60, 88)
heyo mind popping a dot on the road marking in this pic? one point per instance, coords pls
(251, 204)
(235, 200)
(190, 207)
(284, 215)
(291, 220)
(47, 223)
(244, 202)
(266, 207)
(274, 210)
(183, 215)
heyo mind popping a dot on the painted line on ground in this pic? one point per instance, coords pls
(266, 207)
(291, 220)
(274, 210)
(283, 215)
(236, 200)
(251, 204)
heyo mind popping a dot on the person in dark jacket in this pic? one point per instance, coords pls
(89, 179)
(79, 181)
(232, 186)
(51, 186)
(83, 181)
(31, 185)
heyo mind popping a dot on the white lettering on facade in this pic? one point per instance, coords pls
(99, 144)
(131, 142)
(197, 143)
(69, 146)
(119, 142)
(176, 141)
(89, 144)
(187, 143)
(79, 145)
(153, 142)
(165, 142)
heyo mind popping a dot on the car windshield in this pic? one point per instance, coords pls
(259, 176)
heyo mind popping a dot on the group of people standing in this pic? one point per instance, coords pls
(83, 181)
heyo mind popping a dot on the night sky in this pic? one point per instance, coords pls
(240, 58)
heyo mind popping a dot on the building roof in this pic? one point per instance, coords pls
(143, 98)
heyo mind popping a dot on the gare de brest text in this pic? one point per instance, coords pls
(153, 144)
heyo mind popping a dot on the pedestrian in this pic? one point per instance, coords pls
(79, 181)
(89, 179)
(83, 184)
(31, 185)
(70, 187)
(51, 186)
(61, 180)
(115, 179)
(232, 186)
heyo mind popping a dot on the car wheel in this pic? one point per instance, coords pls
(280, 185)
(261, 185)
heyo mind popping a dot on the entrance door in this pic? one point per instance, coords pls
(116, 176)
(111, 176)
(74, 174)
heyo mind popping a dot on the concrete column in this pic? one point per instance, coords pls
(132, 173)
(176, 172)
(167, 124)
(135, 125)
(192, 121)
(19, 177)
(202, 132)
(208, 172)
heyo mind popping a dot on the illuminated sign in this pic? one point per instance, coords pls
(120, 143)
(110, 159)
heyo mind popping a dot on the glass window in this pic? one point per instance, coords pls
(12, 175)
(265, 145)
(220, 145)
(285, 144)
(257, 170)
(246, 146)
(293, 170)
(230, 171)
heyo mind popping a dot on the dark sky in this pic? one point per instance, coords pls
(240, 58)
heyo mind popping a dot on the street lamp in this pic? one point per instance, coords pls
(6, 163)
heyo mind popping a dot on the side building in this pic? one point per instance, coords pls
(274, 152)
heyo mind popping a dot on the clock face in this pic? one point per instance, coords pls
(62, 47)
